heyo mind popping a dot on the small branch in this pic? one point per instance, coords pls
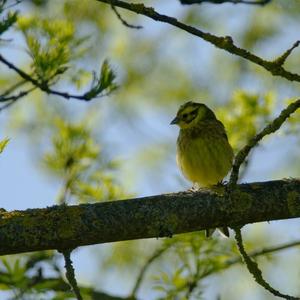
(262, 2)
(124, 22)
(222, 42)
(64, 192)
(13, 88)
(270, 128)
(43, 86)
(7, 105)
(236, 260)
(269, 250)
(13, 99)
(70, 274)
(16, 97)
(244, 169)
(281, 60)
(158, 253)
(255, 253)
(23, 74)
(254, 269)
(13, 4)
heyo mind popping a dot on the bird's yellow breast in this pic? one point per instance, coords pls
(204, 158)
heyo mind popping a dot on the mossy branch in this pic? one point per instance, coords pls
(270, 128)
(281, 59)
(68, 227)
(239, 159)
(255, 271)
(70, 273)
(251, 2)
(222, 42)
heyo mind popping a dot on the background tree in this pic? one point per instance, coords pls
(107, 143)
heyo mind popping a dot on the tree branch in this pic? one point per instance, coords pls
(70, 273)
(255, 271)
(226, 43)
(10, 100)
(123, 21)
(255, 253)
(13, 88)
(43, 86)
(238, 259)
(258, 2)
(67, 227)
(17, 96)
(158, 253)
(270, 128)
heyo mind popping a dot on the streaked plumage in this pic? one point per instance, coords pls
(204, 154)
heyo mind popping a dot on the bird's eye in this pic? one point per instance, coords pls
(185, 116)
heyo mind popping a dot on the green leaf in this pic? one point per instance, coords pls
(52, 45)
(8, 21)
(104, 85)
(3, 144)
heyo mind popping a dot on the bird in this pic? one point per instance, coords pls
(204, 154)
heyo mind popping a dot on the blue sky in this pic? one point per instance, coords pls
(24, 185)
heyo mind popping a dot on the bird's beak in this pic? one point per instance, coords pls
(174, 121)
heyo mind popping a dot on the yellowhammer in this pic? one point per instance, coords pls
(204, 154)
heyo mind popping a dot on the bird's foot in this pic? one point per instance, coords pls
(194, 188)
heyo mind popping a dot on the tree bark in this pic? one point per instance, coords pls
(67, 227)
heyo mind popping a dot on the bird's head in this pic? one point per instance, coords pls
(191, 113)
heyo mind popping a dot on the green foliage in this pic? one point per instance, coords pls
(12, 274)
(26, 276)
(245, 114)
(105, 83)
(52, 44)
(8, 20)
(158, 72)
(38, 276)
(3, 144)
(76, 158)
(74, 149)
(195, 258)
(21, 274)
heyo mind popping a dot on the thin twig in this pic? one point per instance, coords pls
(7, 105)
(42, 86)
(124, 22)
(70, 274)
(269, 250)
(237, 260)
(18, 96)
(13, 99)
(230, 262)
(145, 267)
(223, 42)
(281, 59)
(13, 4)
(13, 87)
(270, 128)
(239, 159)
(255, 253)
(255, 271)
(65, 189)
(261, 2)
